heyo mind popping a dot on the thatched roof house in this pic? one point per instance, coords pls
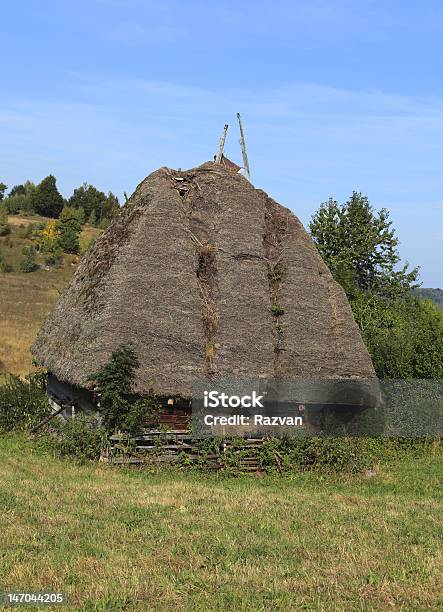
(205, 276)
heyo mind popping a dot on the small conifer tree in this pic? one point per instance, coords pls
(29, 262)
(46, 199)
(69, 228)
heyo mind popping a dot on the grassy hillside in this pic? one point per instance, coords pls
(114, 539)
(26, 299)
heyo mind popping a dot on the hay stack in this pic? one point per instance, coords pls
(205, 276)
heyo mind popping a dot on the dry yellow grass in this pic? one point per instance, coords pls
(17, 220)
(27, 299)
(24, 304)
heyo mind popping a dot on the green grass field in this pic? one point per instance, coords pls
(120, 539)
(127, 539)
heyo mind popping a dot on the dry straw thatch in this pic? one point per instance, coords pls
(205, 276)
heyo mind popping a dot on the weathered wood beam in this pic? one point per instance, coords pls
(221, 145)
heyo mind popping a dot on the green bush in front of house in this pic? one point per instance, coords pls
(82, 438)
(23, 403)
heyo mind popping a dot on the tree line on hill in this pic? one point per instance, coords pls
(61, 233)
(435, 295)
(92, 205)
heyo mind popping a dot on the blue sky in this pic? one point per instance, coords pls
(335, 95)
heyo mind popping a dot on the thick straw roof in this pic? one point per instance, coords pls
(188, 274)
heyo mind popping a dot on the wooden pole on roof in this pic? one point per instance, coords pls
(221, 146)
(243, 148)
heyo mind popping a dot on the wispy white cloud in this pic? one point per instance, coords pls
(135, 33)
(351, 127)
(302, 100)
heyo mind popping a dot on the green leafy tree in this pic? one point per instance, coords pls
(96, 205)
(46, 238)
(13, 205)
(20, 199)
(89, 199)
(3, 188)
(111, 207)
(46, 199)
(17, 190)
(404, 336)
(360, 247)
(69, 228)
(4, 226)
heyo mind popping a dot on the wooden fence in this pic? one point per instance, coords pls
(156, 447)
